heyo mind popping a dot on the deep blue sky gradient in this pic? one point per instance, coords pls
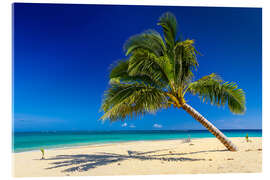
(62, 54)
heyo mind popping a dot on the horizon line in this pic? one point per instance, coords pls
(53, 131)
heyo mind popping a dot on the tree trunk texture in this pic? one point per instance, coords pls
(208, 125)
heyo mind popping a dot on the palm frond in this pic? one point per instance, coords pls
(118, 70)
(169, 26)
(124, 72)
(131, 100)
(159, 68)
(185, 61)
(211, 88)
(150, 40)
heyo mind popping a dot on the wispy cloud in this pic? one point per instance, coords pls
(30, 122)
(157, 126)
(132, 126)
(236, 123)
(36, 119)
(124, 125)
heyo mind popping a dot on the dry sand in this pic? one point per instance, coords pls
(141, 158)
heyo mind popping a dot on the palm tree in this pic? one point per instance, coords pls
(158, 72)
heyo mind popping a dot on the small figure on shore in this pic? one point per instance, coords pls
(43, 153)
(247, 138)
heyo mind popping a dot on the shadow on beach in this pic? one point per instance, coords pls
(85, 162)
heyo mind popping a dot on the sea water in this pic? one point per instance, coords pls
(28, 141)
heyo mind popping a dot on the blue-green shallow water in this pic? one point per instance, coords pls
(27, 141)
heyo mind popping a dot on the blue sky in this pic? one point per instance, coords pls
(62, 54)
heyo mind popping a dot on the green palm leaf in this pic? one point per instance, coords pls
(212, 88)
(128, 100)
(124, 72)
(169, 26)
(150, 40)
(185, 61)
(159, 68)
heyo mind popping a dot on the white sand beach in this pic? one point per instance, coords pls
(205, 155)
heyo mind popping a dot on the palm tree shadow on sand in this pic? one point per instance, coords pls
(85, 162)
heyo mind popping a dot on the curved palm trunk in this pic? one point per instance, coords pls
(220, 136)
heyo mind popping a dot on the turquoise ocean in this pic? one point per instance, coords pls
(28, 141)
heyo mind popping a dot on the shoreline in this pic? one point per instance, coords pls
(104, 144)
(78, 145)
